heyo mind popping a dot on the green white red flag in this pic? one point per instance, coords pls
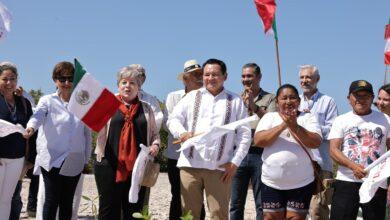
(387, 47)
(90, 101)
(267, 10)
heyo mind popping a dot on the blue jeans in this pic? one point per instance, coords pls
(248, 171)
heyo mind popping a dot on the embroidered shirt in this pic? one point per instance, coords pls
(212, 112)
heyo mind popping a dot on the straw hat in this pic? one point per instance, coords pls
(190, 66)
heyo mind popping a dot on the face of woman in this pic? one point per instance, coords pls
(128, 88)
(8, 82)
(383, 102)
(288, 101)
(64, 83)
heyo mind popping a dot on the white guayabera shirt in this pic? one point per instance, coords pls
(212, 111)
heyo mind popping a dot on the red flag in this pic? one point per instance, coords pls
(387, 47)
(266, 10)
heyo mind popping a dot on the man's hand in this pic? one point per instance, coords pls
(185, 136)
(153, 150)
(248, 100)
(230, 170)
(358, 171)
(29, 133)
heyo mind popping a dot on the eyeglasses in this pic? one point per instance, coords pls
(63, 79)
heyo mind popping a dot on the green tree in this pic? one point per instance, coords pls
(36, 95)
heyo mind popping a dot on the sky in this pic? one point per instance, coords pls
(345, 39)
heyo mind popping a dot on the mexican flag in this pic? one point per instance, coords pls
(90, 101)
(266, 10)
(387, 47)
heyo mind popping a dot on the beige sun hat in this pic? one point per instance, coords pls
(190, 66)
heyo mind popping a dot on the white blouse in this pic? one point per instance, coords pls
(63, 140)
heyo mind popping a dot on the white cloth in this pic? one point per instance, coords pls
(7, 128)
(138, 173)
(76, 199)
(10, 171)
(364, 140)
(285, 164)
(212, 111)
(62, 138)
(377, 175)
(155, 105)
(5, 21)
(172, 99)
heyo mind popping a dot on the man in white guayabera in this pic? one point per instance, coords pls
(209, 168)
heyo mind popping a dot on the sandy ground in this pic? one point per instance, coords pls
(158, 204)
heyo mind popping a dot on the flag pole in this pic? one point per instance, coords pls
(385, 79)
(278, 62)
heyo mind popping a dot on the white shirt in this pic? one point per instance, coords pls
(172, 99)
(62, 138)
(155, 104)
(212, 112)
(364, 139)
(285, 163)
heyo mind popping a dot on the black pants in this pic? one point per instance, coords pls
(114, 197)
(59, 193)
(175, 211)
(345, 202)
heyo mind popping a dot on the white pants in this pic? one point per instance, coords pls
(76, 198)
(10, 171)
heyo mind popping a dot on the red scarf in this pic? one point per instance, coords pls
(127, 150)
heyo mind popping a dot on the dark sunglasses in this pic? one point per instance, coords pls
(63, 79)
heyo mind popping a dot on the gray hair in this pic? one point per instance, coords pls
(6, 65)
(313, 68)
(129, 71)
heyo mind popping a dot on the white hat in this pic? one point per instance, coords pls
(190, 66)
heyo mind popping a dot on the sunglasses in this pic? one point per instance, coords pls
(63, 79)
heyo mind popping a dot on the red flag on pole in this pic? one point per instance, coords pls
(266, 10)
(387, 47)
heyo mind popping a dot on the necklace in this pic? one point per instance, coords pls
(12, 110)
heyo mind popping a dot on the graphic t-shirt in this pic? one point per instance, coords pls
(364, 139)
(285, 163)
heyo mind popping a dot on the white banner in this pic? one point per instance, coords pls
(7, 128)
(5, 21)
(215, 133)
(138, 172)
(378, 174)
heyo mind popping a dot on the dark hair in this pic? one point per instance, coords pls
(62, 68)
(255, 67)
(218, 62)
(287, 86)
(5, 67)
(385, 88)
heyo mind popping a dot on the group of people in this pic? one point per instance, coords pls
(274, 154)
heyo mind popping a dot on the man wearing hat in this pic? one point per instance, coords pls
(257, 102)
(357, 138)
(209, 167)
(192, 80)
